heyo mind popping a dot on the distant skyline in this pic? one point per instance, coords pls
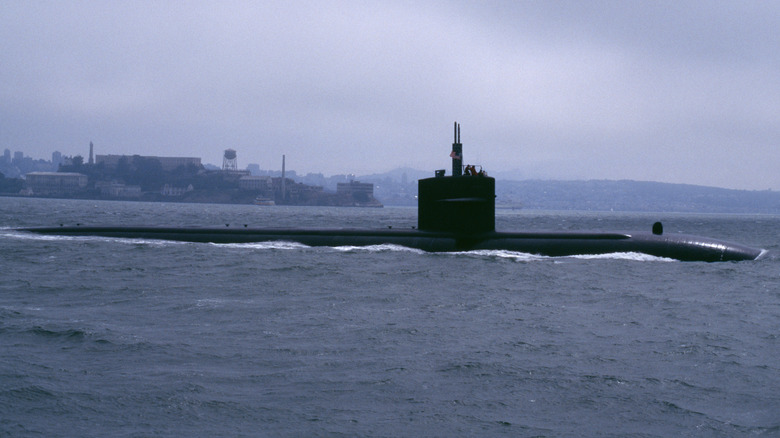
(679, 92)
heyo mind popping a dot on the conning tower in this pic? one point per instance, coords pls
(461, 203)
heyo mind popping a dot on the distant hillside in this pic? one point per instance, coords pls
(595, 195)
(397, 175)
(625, 195)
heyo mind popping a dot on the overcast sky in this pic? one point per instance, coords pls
(672, 91)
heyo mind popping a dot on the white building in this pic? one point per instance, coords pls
(55, 182)
(249, 182)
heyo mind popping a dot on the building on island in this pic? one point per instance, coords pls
(55, 182)
(356, 189)
(358, 194)
(168, 163)
(169, 190)
(113, 189)
(259, 183)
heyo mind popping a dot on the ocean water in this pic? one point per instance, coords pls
(119, 337)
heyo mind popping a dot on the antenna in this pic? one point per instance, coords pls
(457, 153)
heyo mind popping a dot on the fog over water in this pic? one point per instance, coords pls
(664, 91)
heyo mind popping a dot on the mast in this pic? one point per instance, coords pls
(283, 178)
(457, 153)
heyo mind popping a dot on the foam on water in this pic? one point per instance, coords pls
(528, 257)
(634, 256)
(14, 234)
(502, 254)
(386, 247)
(21, 235)
(146, 242)
(274, 244)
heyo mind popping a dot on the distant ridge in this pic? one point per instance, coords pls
(396, 175)
(598, 195)
(627, 195)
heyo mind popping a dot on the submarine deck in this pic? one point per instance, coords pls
(553, 243)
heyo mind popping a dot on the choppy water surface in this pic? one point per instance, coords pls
(107, 337)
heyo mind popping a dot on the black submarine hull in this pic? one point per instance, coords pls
(673, 246)
(455, 213)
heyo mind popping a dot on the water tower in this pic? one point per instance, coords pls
(229, 161)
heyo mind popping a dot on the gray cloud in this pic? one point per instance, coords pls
(667, 91)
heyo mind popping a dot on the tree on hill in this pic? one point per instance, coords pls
(10, 185)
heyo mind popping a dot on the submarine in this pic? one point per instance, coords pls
(455, 213)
